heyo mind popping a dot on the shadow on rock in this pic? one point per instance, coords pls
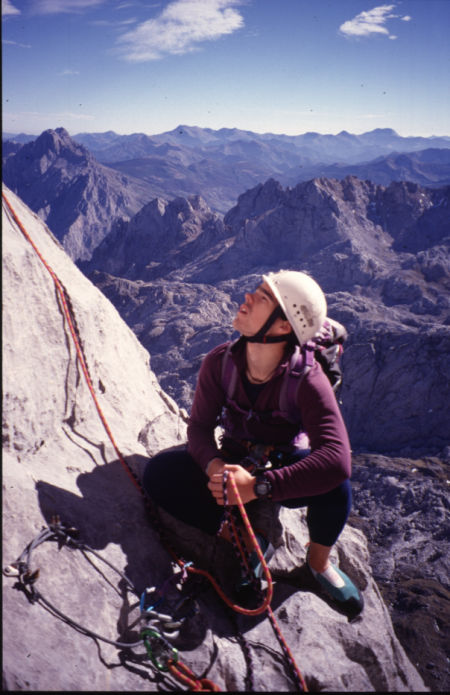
(112, 511)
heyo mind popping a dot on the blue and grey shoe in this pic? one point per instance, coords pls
(340, 588)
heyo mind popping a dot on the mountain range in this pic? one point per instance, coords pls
(220, 165)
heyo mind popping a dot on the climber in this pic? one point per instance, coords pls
(286, 309)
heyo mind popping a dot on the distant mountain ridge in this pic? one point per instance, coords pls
(430, 167)
(324, 148)
(220, 164)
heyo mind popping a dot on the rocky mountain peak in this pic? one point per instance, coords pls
(388, 132)
(160, 233)
(54, 144)
(253, 202)
(78, 197)
(53, 148)
(377, 221)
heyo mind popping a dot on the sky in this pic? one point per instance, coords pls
(277, 66)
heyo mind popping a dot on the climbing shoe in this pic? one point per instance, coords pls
(340, 587)
(267, 550)
(247, 591)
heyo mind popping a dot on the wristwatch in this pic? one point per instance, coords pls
(262, 487)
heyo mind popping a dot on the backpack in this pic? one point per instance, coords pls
(326, 348)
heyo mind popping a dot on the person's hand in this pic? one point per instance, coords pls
(244, 483)
(216, 465)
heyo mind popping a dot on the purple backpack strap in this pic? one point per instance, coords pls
(229, 372)
(300, 363)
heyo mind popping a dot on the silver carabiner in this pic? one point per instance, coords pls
(11, 570)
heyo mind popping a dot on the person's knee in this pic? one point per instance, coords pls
(344, 495)
(163, 469)
(327, 514)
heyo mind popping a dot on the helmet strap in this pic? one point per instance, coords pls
(260, 336)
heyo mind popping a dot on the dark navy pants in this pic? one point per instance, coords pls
(177, 484)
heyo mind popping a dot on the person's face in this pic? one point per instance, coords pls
(255, 311)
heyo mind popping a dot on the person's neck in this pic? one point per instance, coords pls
(262, 360)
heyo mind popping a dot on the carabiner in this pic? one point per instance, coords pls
(159, 650)
(11, 570)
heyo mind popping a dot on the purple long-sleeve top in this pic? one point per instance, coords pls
(329, 462)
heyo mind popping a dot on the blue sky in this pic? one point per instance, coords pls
(280, 66)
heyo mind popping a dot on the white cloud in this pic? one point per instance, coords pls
(58, 6)
(8, 8)
(16, 43)
(120, 23)
(372, 22)
(180, 27)
(68, 72)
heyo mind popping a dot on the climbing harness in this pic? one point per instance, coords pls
(162, 654)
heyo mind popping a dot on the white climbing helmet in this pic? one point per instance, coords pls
(301, 299)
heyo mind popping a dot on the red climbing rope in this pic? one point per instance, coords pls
(184, 673)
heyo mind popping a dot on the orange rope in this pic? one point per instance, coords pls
(185, 675)
(79, 351)
(269, 593)
(80, 355)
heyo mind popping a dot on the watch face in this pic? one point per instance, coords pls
(262, 488)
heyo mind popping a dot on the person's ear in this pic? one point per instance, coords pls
(285, 327)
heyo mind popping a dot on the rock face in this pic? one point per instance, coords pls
(75, 195)
(161, 237)
(59, 460)
(401, 505)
